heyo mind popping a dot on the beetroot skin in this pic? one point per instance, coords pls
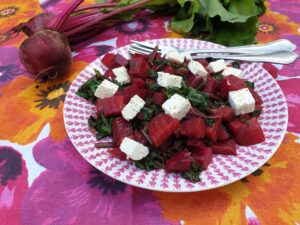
(46, 54)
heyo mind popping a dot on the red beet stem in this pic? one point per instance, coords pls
(95, 6)
(62, 17)
(69, 25)
(74, 18)
(195, 112)
(104, 16)
(108, 144)
(82, 36)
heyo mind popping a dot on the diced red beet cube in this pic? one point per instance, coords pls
(195, 144)
(139, 137)
(194, 127)
(159, 57)
(149, 94)
(113, 106)
(180, 161)
(273, 70)
(194, 81)
(211, 85)
(159, 98)
(109, 74)
(150, 80)
(235, 125)
(161, 127)
(121, 128)
(139, 83)
(204, 62)
(182, 71)
(99, 106)
(119, 92)
(120, 60)
(250, 133)
(231, 83)
(136, 56)
(177, 134)
(138, 67)
(223, 134)
(225, 147)
(107, 60)
(225, 112)
(213, 132)
(169, 69)
(258, 107)
(156, 68)
(189, 79)
(245, 117)
(117, 153)
(204, 157)
(166, 144)
(256, 97)
(132, 90)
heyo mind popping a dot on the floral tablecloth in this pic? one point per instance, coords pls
(43, 180)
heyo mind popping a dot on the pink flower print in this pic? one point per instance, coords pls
(139, 29)
(71, 191)
(13, 185)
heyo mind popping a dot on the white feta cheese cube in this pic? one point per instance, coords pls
(187, 55)
(241, 101)
(133, 107)
(232, 71)
(133, 149)
(177, 106)
(217, 66)
(197, 69)
(168, 80)
(121, 75)
(106, 89)
(175, 56)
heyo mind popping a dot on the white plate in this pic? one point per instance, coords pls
(222, 171)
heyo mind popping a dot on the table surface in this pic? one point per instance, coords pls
(43, 180)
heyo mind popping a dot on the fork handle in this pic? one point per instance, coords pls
(274, 46)
(282, 57)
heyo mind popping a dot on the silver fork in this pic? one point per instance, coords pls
(279, 51)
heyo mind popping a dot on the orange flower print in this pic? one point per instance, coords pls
(15, 12)
(273, 26)
(26, 107)
(261, 198)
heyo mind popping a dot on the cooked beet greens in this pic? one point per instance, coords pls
(193, 174)
(249, 84)
(154, 160)
(256, 113)
(101, 125)
(152, 74)
(88, 89)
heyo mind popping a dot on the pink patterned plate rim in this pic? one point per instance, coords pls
(222, 171)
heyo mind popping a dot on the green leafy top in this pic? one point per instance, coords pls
(218, 19)
(214, 20)
(102, 125)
